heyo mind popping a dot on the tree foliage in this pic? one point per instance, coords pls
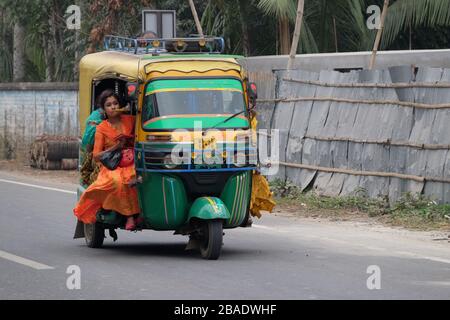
(250, 27)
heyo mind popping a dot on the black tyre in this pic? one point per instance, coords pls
(94, 235)
(212, 239)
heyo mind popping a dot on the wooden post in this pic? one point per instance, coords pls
(77, 55)
(296, 38)
(379, 34)
(197, 21)
(19, 53)
(335, 35)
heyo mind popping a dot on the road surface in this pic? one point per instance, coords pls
(278, 258)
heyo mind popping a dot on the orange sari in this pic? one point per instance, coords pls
(110, 191)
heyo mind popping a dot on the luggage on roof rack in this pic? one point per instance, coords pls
(157, 46)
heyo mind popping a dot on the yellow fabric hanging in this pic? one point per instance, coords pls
(262, 197)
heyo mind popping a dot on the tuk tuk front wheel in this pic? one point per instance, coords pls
(211, 243)
(94, 235)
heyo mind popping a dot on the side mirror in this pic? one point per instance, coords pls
(132, 97)
(132, 90)
(252, 93)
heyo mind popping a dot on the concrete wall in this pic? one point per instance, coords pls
(261, 69)
(352, 60)
(28, 110)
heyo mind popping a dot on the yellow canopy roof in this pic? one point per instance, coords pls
(103, 65)
(134, 68)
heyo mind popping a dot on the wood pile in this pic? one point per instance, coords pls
(54, 153)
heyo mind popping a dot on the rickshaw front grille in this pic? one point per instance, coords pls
(205, 183)
(196, 180)
(206, 177)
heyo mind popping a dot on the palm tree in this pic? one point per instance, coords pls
(285, 11)
(340, 25)
(327, 26)
(410, 14)
(226, 18)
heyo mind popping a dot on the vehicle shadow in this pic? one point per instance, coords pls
(176, 250)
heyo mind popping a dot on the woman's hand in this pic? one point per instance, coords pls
(93, 123)
(119, 145)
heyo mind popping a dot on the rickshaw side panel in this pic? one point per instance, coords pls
(236, 196)
(163, 201)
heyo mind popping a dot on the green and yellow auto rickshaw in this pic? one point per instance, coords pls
(195, 142)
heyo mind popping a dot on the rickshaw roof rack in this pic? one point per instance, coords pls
(205, 45)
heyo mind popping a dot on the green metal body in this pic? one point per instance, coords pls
(165, 206)
(163, 201)
(236, 196)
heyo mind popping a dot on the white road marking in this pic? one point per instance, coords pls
(345, 243)
(23, 261)
(257, 226)
(418, 256)
(375, 248)
(38, 187)
(433, 283)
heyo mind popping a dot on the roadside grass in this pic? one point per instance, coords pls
(412, 211)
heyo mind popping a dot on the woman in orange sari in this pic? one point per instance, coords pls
(113, 188)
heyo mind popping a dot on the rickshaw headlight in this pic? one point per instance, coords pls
(159, 138)
(168, 162)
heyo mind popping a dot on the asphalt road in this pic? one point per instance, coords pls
(278, 258)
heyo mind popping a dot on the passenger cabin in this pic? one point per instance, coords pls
(136, 62)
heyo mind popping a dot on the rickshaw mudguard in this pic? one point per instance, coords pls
(79, 230)
(209, 208)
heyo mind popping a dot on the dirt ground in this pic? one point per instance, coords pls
(24, 170)
(347, 215)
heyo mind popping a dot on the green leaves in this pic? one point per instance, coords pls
(404, 14)
(248, 26)
(51, 49)
(344, 21)
(280, 8)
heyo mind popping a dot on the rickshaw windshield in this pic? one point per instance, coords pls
(193, 97)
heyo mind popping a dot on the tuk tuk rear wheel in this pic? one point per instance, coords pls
(94, 235)
(211, 243)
